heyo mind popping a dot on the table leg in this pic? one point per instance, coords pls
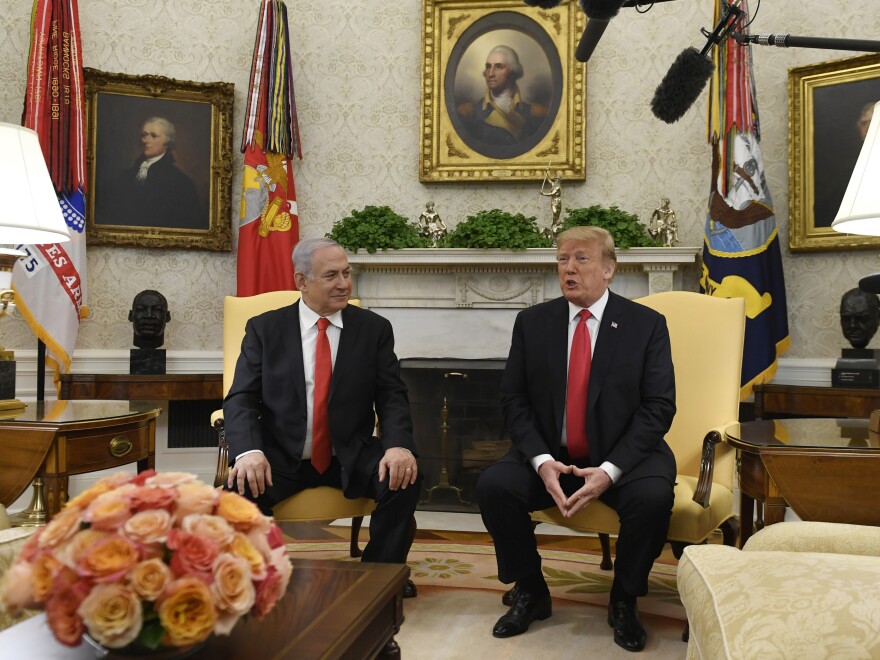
(56, 493)
(774, 512)
(391, 651)
(746, 518)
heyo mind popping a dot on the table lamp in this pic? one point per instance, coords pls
(29, 215)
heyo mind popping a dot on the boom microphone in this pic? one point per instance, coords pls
(543, 4)
(599, 13)
(690, 72)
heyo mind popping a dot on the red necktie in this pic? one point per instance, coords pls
(576, 398)
(321, 451)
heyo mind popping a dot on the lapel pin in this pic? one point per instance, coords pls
(614, 324)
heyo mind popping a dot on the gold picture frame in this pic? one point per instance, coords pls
(826, 106)
(460, 142)
(181, 201)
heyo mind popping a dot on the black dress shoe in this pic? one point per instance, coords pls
(409, 589)
(526, 608)
(510, 596)
(628, 631)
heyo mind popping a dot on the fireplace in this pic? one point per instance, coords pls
(457, 424)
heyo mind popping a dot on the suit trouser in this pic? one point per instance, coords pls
(391, 531)
(508, 490)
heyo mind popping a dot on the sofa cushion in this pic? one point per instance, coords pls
(770, 604)
(809, 536)
(11, 541)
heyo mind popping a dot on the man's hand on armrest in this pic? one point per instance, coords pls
(252, 467)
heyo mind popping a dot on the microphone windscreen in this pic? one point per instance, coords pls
(871, 283)
(590, 39)
(681, 85)
(604, 10)
(543, 4)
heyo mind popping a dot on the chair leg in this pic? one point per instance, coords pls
(678, 548)
(354, 550)
(605, 542)
(686, 633)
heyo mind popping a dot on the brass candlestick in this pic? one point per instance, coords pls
(443, 482)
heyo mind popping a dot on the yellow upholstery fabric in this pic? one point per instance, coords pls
(11, 541)
(314, 504)
(707, 342)
(787, 595)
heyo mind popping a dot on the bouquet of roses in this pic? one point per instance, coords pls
(157, 559)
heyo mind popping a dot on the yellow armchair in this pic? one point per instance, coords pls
(707, 346)
(322, 503)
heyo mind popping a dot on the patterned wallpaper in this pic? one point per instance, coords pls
(357, 72)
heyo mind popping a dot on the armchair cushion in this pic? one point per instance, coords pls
(12, 539)
(782, 602)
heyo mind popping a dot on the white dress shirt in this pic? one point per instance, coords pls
(597, 309)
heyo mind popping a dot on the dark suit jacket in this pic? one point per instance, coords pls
(266, 406)
(631, 399)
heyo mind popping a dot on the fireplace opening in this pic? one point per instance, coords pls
(457, 424)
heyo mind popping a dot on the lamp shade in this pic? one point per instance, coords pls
(29, 213)
(860, 210)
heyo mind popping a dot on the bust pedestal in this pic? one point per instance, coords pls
(857, 367)
(147, 361)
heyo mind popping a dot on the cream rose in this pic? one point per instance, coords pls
(150, 578)
(212, 527)
(232, 590)
(113, 615)
(169, 479)
(195, 497)
(108, 511)
(17, 590)
(150, 526)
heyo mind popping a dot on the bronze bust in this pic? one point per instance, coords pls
(859, 316)
(149, 314)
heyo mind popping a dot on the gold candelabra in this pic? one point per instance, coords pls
(443, 481)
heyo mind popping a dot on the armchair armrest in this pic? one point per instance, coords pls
(707, 465)
(222, 449)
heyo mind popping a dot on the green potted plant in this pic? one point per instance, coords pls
(376, 228)
(627, 230)
(497, 229)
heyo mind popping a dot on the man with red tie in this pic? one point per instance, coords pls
(309, 384)
(588, 395)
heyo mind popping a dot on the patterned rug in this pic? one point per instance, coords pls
(572, 575)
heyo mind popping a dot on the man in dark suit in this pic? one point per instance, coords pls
(605, 443)
(273, 412)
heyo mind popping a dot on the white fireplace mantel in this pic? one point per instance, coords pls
(461, 303)
(467, 278)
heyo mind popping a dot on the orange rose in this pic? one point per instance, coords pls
(108, 559)
(241, 513)
(186, 612)
(241, 546)
(108, 511)
(232, 590)
(113, 614)
(211, 527)
(17, 588)
(63, 525)
(45, 569)
(151, 526)
(149, 578)
(195, 497)
(79, 545)
(192, 554)
(61, 613)
(88, 496)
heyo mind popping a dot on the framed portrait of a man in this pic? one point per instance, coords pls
(502, 95)
(159, 161)
(831, 105)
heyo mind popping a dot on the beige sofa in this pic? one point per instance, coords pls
(797, 590)
(11, 541)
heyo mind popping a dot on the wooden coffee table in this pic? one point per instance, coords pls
(332, 609)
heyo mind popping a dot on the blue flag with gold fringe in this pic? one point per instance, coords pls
(741, 254)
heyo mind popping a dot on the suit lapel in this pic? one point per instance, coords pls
(557, 357)
(292, 340)
(345, 351)
(606, 345)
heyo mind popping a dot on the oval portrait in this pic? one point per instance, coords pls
(503, 85)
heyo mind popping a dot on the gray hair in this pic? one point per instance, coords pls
(167, 128)
(305, 250)
(516, 69)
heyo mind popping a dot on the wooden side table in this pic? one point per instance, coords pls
(55, 439)
(800, 401)
(140, 387)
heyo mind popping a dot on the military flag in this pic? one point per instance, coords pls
(50, 282)
(269, 220)
(741, 254)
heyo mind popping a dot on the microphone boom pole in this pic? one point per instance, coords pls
(791, 41)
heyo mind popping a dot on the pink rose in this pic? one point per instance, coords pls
(211, 527)
(169, 479)
(144, 497)
(195, 497)
(113, 614)
(61, 613)
(274, 537)
(150, 526)
(17, 590)
(141, 477)
(268, 593)
(193, 555)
